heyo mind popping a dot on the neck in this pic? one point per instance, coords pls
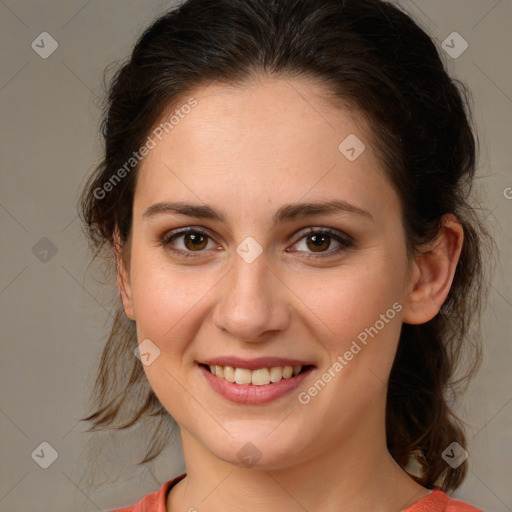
(356, 473)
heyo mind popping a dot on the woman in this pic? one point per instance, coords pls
(284, 193)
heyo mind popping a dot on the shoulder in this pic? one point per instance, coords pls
(438, 501)
(460, 506)
(155, 501)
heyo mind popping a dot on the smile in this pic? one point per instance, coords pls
(259, 377)
(257, 386)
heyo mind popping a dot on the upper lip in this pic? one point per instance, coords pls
(254, 364)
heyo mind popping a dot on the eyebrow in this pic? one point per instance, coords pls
(285, 213)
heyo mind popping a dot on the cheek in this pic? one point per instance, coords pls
(161, 295)
(159, 287)
(350, 298)
(171, 304)
(357, 313)
(360, 325)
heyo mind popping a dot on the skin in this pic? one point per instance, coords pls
(246, 151)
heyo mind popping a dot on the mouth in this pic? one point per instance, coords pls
(262, 376)
(265, 382)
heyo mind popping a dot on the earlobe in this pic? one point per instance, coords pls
(434, 270)
(123, 278)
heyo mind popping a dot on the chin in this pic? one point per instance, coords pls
(255, 451)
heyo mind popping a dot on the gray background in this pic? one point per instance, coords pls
(56, 313)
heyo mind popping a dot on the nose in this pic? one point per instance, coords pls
(253, 301)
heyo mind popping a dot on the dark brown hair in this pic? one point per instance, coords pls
(374, 58)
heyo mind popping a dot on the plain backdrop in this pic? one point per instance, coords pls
(55, 311)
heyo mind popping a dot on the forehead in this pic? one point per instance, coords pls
(271, 138)
(281, 112)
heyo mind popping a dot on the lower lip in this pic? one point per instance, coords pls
(251, 394)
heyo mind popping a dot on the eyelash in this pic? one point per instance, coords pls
(345, 241)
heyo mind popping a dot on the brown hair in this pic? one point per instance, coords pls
(375, 59)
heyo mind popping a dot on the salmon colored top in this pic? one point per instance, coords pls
(436, 501)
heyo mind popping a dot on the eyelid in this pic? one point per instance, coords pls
(185, 230)
(323, 230)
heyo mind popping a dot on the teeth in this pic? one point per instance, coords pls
(259, 377)
(276, 374)
(242, 376)
(287, 372)
(229, 373)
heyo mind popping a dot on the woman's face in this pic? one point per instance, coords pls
(254, 283)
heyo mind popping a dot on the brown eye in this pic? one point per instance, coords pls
(187, 241)
(319, 241)
(194, 241)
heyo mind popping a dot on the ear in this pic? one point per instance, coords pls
(433, 273)
(123, 277)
